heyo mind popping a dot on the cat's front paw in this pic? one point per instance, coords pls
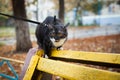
(60, 48)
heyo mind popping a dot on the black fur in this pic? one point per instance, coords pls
(45, 31)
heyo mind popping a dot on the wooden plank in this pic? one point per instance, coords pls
(88, 56)
(74, 71)
(31, 67)
(40, 53)
(14, 60)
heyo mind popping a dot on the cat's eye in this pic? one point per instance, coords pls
(60, 34)
(64, 35)
(52, 34)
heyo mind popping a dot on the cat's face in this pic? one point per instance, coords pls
(58, 35)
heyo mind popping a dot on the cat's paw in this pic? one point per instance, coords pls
(60, 48)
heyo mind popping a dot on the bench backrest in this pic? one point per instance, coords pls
(72, 69)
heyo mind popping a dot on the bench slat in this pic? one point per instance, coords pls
(88, 56)
(31, 67)
(74, 71)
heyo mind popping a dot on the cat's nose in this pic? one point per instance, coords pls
(56, 40)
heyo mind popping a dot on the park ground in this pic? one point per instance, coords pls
(105, 44)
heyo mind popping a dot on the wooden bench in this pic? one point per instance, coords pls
(66, 64)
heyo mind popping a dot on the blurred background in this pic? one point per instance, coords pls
(94, 26)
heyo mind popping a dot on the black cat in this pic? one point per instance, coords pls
(52, 33)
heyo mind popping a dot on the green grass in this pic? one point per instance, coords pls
(32, 30)
(10, 31)
(2, 44)
(7, 31)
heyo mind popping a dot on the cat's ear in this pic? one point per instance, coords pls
(67, 25)
(54, 19)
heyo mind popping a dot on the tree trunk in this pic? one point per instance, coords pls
(23, 42)
(61, 10)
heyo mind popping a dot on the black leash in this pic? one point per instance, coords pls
(19, 18)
